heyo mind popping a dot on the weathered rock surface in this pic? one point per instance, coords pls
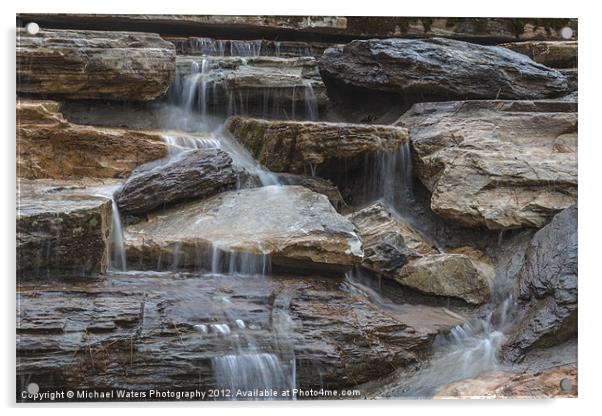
(546, 289)
(290, 146)
(485, 29)
(319, 185)
(94, 64)
(555, 54)
(291, 227)
(62, 229)
(394, 250)
(499, 164)
(50, 147)
(190, 175)
(151, 331)
(502, 385)
(266, 86)
(437, 69)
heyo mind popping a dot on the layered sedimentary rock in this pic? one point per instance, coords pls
(187, 176)
(555, 382)
(498, 164)
(334, 338)
(394, 250)
(62, 229)
(94, 64)
(319, 185)
(437, 69)
(289, 146)
(546, 289)
(51, 147)
(289, 227)
(555, 54)
(267, 86)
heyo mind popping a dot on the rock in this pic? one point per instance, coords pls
(291, 146)
(393, 249)
(51, 147)
(555, 54)
(335, 338)
(190, 175)
(502, 385)
(89, 64)
(436, 70)
(262, 86)
(546, 289)
(497, 164)
(319, 185)
(62, 230)
(289, 227)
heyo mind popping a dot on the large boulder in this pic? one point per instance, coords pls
(62, 230)
(436, 70)
(546, 289)
(393, 249)
(308, 328)
(292, 146)
(94, 64)
(498, 164)
(555, 382)
(51, 147)
(555, 54)
(287, 227)
(187, 176)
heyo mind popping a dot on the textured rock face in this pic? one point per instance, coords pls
(319, 185)
(498, 164)
(289, 146)
(290, 226)
(187, 176)
(438, 69)
(338, 338)
(499, 385)
(395, 250)
(555, 54)
(89, 64)
(51, 147)
(546, 289)
(61, 231)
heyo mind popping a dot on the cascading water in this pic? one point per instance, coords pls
(117, 246)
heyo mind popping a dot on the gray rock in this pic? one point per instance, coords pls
(319, 185)
(187, 176)
(546, 289)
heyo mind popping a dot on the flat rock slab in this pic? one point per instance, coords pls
(166, 331)
(393, 249)
(438, 69)
(89, 64)
(292, 146)
(51, 147)
(186, 176)
(62, 229)
(555, 54)
(288, 226)
(498, 164)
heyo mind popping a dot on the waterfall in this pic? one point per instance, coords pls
(311, 103)
(116, 243)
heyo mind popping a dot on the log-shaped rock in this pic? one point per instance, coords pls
(498, 164)
(94, 64)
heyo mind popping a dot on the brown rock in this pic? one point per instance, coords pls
(89, 64)
(555, 54)
(50, 147)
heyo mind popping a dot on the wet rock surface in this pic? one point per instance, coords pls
(146, 331)
(51, 147)
(94, 64)
(289, 146)
(546, 288)
(289, 227)
(191, 175)
(504, 385)
(395, 250)
(62, 230)
(437, 69)
(319, 185)
(498, 164)
(555, 54)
